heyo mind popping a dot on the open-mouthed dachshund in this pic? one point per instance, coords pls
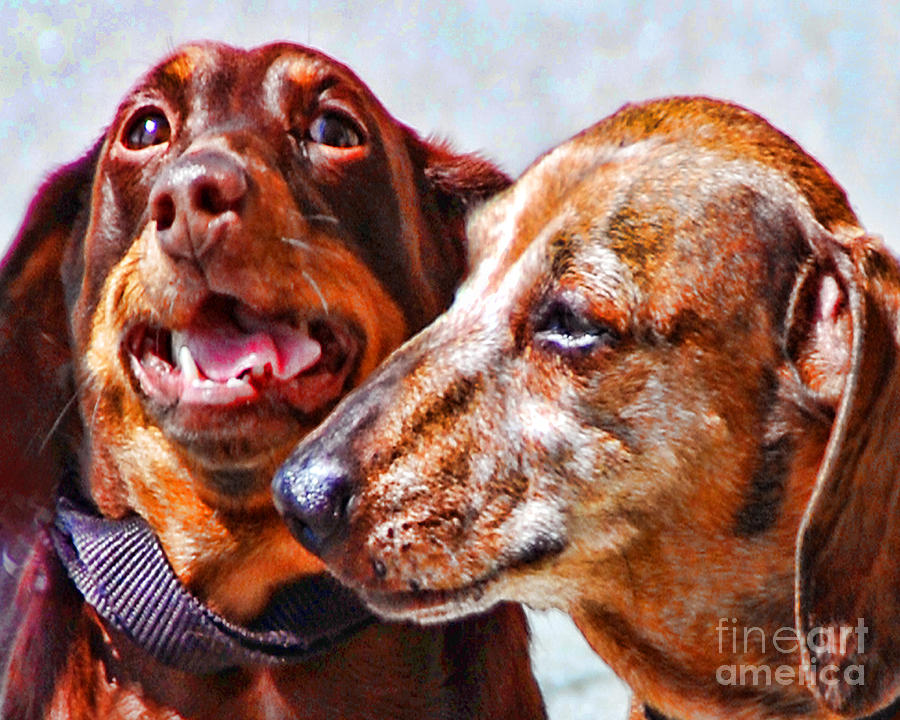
(251, 235)
(666, 400)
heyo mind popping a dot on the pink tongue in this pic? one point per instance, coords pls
(223, 352)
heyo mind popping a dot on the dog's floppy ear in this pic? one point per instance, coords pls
(450, 185)
(35, 374)
(459, 180)
(846, 341)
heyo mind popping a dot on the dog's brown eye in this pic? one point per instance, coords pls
(335, 130)
(562, 328)
(146, 129)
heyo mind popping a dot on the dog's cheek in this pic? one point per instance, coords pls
(456, 502)
(388, 216)
(578, 502)
(109, 404)
(110, 231)
(435, 497)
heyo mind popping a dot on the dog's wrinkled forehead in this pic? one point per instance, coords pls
(677, 192)
(607, 210)
(212, 81)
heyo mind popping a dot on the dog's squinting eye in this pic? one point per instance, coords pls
(564, 329)
(147, 129)
(335, 130)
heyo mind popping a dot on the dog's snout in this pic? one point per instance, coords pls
(315, 495)
(195, 199)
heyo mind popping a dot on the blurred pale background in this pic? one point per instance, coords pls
(511, 79)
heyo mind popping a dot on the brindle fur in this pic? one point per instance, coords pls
(685, 351)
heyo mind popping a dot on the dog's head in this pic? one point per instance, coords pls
(672, 367)
(252, 234)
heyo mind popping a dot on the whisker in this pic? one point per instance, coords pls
(303, 245)
(323, 219)
(296, 242)
(317, 249)
(96, 407)
(317, 290)
(61, 415)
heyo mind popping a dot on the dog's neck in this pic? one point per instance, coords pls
(689, 637)
(211, 541)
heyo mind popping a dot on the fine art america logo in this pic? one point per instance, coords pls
(830, 643)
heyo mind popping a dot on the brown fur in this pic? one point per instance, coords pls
(267, 184)
(665, 401)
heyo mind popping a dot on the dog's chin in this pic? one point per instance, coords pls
(236, 389)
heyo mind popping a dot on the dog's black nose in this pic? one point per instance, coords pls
(314, 494)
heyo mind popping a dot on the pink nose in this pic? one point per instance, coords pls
(195, 201)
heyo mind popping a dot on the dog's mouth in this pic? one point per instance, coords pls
(230, 355)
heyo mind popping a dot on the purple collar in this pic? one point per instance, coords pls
(120, 569)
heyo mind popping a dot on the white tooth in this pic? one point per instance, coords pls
(258, 370)
(188, 366)
(176, 340)
(236, 382)
(9, 565)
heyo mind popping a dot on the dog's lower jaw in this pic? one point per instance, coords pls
(241, 487)
(429, 607)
